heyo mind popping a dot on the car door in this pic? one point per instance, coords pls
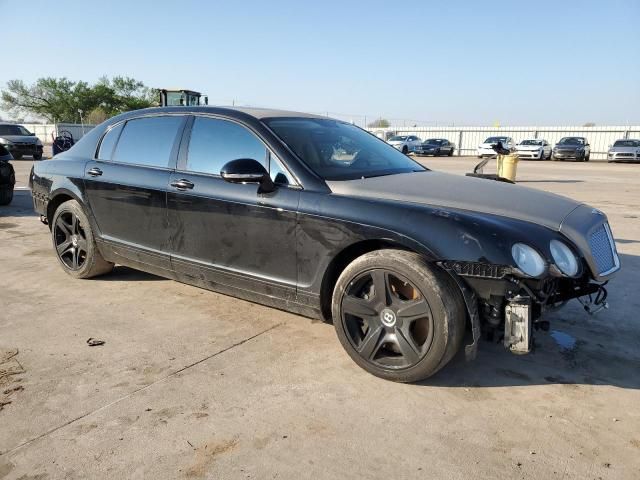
(126, 186)
(225, 234)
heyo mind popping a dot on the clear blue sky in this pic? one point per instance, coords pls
(469, 62)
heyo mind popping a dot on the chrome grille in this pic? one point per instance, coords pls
(603, 250)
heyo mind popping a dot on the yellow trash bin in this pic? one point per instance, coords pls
(507, 166)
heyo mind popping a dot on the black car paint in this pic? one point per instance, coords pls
(284, 248)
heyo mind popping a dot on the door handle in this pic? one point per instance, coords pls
(94, 172)
(182, 184)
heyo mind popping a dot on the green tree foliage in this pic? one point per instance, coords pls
(59, 99)
(379, 123)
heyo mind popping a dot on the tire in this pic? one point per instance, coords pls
(405, 150)
(74, 243)
(436, 153)
(450, 154)
(6, 195)
(587, 157)
(37, 156)
(17, 156)
(403, 340)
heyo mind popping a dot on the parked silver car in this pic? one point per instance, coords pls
(627, 150)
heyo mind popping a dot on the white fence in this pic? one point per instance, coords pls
(47, 131)
(467, 139)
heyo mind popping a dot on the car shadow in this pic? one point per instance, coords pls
(579, 349)
(20, 206)
(121, 273)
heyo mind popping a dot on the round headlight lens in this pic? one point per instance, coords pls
(528, 260)
(564, 258)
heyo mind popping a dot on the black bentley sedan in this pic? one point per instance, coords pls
(319, 217)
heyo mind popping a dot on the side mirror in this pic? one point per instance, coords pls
(248, 170)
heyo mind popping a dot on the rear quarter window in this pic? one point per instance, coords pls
(108, 142)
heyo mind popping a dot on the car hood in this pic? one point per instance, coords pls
(396, 142)
(444, 190)
(624, 149)
(528, 147)
(20, 138)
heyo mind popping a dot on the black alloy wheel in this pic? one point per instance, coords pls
(387, 320)
(70, 240)
(398, 316)
(74, 242)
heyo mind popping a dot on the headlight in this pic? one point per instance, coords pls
(528, 260)
(5, 141)
(564, 258)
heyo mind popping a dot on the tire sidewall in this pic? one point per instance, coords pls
(74, 207)
(421, 275)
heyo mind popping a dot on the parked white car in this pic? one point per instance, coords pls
(484, 149)
(404, 143)
(534, 148)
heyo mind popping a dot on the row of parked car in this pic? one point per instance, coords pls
(568, 148)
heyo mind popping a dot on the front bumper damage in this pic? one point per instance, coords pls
(501, 304)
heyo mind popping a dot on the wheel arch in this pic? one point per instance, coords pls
(57, 198)
(343, 259)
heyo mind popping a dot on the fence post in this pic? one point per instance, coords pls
(460, 143)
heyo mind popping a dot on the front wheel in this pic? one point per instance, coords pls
(17, 156)
(587, 157)
(450, 152)
(398, 317)
(405, 150)
(37, 156)
(74, 243)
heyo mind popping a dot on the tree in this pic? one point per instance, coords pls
(59, 99)
(379, 123)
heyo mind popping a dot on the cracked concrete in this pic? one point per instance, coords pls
(193, 384)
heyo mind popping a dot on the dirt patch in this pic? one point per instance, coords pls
(9, 367)
(206, 455)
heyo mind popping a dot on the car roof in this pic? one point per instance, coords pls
(256, 112)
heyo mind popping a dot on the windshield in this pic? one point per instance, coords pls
(398, 138)
(531, 142)
(495, 140)
(627, 143)
(13, 130)
(340, 151)
(571, 141)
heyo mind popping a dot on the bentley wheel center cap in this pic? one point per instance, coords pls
(387, 317)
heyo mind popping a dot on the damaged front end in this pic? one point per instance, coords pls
(505, 302)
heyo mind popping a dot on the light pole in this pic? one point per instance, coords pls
(81, 121)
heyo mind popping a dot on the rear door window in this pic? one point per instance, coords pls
(214, 142)
(148, 141)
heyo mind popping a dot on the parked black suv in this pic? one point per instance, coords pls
(20, 141)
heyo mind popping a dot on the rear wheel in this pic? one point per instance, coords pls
(74, 242)
(405, 150)
(450, 152)
(587, 157)
(398, 317)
